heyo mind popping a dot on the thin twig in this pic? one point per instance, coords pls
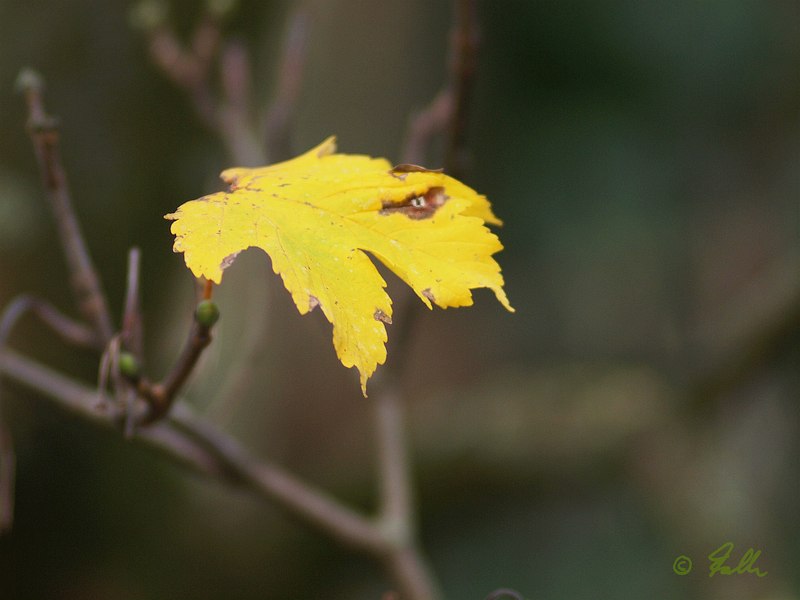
(298, 498)
(464, 41)
(187, 69)
(70, 331)
(395, 490)
(131, 334)
(66, 328)
(160, 396)
(83, 276)
(425, 125)
(448, 111)
(407, 567)
(291, 68)
(404, 562)
(206, 40)
(190, 68)
(236, 121)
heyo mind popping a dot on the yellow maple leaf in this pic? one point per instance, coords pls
(318, 215)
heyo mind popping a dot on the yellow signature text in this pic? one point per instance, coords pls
(719, 562)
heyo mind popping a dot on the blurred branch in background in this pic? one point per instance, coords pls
(277, 122)
(448, 111)
(230, 116)
(731, 345)
(43, 130)
(85, 283)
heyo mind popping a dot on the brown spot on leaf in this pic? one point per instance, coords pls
(428, 294)
(382, 316)
(417, 206)
(313, 302)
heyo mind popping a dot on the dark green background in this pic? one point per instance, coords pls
(644, 157)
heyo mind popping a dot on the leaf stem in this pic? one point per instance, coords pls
(208, 289)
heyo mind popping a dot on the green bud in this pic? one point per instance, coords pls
(128, 365)
(207, 313)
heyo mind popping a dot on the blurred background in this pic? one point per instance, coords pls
(641, 404)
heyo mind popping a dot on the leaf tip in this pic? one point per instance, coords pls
(327, 147)
(428, 298)
(500, 294)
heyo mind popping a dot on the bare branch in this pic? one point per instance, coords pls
(206, 40)
(85, 282)
(405, 562)
(291, 68)
(160, 396)
(425, 125)
(206, 450)
(464, 40)
(448, 111)
(131, 334)
(275, 484)
(188, 69)
(407, 567)
(395, 490)
(236, 123)
(70, 331)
